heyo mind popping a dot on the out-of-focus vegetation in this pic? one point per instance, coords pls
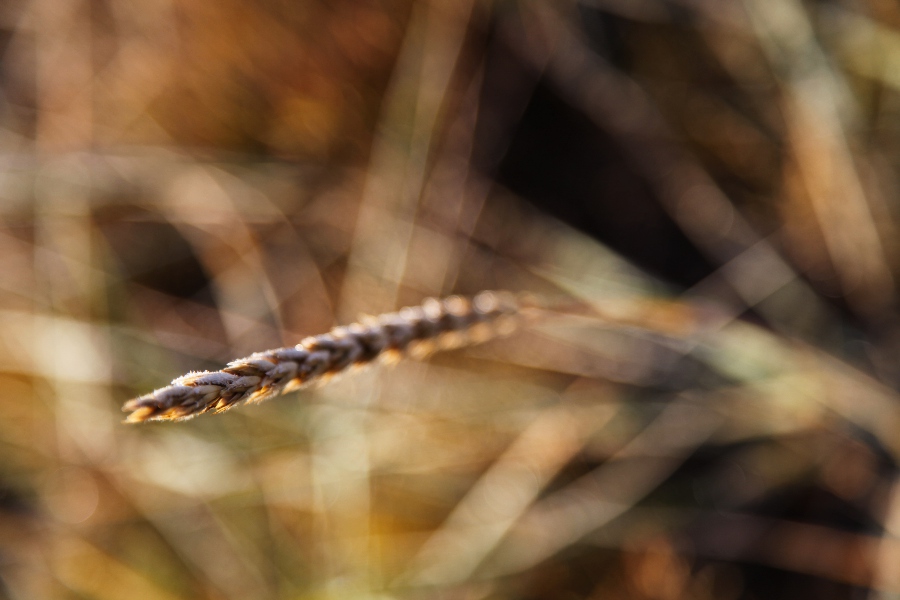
(183, 183)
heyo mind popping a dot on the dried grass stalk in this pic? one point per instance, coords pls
(417, 331)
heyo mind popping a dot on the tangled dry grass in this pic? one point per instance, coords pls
(185, 182)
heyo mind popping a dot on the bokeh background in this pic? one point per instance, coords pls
(706, 190)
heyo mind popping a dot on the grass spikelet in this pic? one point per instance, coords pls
(415, 331)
